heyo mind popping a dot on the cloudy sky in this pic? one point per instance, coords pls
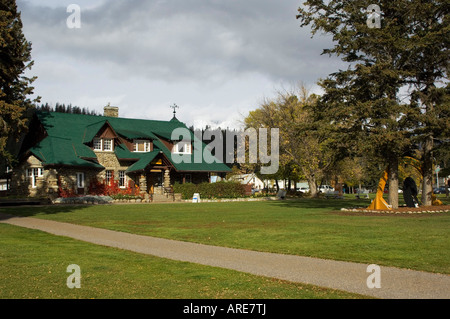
(215, 59)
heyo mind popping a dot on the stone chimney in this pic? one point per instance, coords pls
(112, 111)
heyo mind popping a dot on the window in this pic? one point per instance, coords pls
(38, 172)
(98, 145)
(108, 176)
(103, 144)
(34, 173)
(182, 147)
(80, 180)
(107, 144)
(122, 179)
(141, 146)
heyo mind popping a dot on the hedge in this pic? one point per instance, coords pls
(210, 190)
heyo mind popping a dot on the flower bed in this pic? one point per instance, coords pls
(403, 210)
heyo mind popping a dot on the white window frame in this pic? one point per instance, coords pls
(98, 144)
(111, 144)
(80, 180)
(147, 146)
(122, 179)
(34, 173)
(188, 148)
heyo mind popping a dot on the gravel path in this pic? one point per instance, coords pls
(395, 283)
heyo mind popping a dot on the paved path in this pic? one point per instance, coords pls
(352, 277)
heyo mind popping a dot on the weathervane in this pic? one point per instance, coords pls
(174, 107)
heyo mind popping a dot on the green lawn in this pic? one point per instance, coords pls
(305, 227)
(33, 265)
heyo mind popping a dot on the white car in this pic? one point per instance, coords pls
(325, 189)
(304, 189)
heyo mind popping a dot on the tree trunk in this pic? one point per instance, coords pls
(312, 186)
(427, 184)
(276, 184)
(393, 182)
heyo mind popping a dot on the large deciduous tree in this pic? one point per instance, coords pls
(303, 146)
(15, 58)
(389, 97)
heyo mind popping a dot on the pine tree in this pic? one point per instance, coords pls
(15, 58)
(409, 49)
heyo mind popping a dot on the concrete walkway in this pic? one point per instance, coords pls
(347, 276)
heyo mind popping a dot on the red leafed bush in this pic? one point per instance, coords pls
(102, 188)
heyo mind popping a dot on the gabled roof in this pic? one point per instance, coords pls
(91, 130)
(144, 161)
(68, 135)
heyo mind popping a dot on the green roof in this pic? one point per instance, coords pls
(69, 133)
(144, 161)
(91, 130)
(135, 134)
(60, 151)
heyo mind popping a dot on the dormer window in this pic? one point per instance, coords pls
(107, 144)
(182, 148)
(98, 145)
(103, 144)
(142, 146)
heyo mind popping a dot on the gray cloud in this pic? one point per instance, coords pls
(217, 59)
(180, 40)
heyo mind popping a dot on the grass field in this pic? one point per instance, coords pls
(33, 263)
(305, 227)
(33, 266)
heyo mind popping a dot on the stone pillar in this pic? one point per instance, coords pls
(143, 183)
(166, 178)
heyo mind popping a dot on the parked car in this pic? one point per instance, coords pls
(325, 189)
(439, 190)
(304, 189)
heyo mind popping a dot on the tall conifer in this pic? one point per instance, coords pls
(15, 58)
(387, 98)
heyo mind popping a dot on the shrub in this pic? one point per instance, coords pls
(63, 192)
(112, 189)
(211, 190)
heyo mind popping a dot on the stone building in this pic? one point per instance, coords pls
(75, 152)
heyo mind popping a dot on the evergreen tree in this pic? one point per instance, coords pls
(409, 49)
(15, 58)
(62, 108)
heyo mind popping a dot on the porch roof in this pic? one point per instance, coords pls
(143, 162)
